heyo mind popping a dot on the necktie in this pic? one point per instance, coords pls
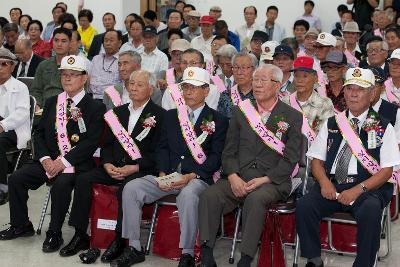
(22, 73)
(228, 84)
(191, 117)
(342, 164)
(69, 103)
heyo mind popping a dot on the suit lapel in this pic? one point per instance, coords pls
(203, 114)
(138, 126)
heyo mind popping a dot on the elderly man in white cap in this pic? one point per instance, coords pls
(189, 152)
(267, 52)
(14, 115)
(351, 176)
(67, 136)
(325, 42)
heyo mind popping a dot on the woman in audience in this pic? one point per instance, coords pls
(23, 23)
(39, 46)
(86, 30)
(173, 34)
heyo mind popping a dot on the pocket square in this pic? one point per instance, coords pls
(333, 131)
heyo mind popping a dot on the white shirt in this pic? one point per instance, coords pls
(246, 33)
(389, 152)
(103, 73)
(397, 124)
(190, 34)
(212, 99)
(395, 91)
(204, 46)
(313, 20)
(231, 79)
(125, 95)
(3, 102)
(134, 115)
(129, 46)
(75, 101)
(155, 62)
(161, 27)
(278, 34)
(26, 67)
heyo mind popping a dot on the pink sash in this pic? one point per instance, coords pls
(218, 82)
(377, 32)
(268, 137)
(392, 98)
(122, 135)
(352, 59)
(61, 122)
(186, 126)
(235, 96)
(321, 80)
(210, 67)
(305, 128)
(170, 76)
(114, 96)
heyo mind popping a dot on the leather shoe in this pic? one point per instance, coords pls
(76, 244)
(186, 261)
(114, 250)
(129, 257)
(15, 232)
(3, 198)
(311, 264)
(52, 242)
(90, 256)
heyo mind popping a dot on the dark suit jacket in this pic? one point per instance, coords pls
(81, 154)
(112, 151)
(172, 148)
(32, 66)
(247, 155)
(95, 47)
(364, 64)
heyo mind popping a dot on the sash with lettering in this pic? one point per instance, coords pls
(61, 125)
(170, 76)
(392, 98)
(377, 32)
(357, 148)
(322, 82)
(351, 58)
(186, 126)
(122, 135)
(305, 128)
(268, 137)
(114, 96)
(235, 96)
(218, 83)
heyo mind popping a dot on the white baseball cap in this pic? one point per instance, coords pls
(268, 50)
(180, 45)
(195, 76)
(326, 39)
(73, 63)
(395, 54)
(361, 77)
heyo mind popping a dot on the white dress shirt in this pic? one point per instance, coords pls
(155, 62)
(212, 99)
(26, 67)
(246, 33)
(196, 113)
(204, 46)
(396, 125)
(389, 152)
(134, 115)
(128, 46)
(125, 95)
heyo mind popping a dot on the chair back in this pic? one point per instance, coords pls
(26, 80)
(32, 101)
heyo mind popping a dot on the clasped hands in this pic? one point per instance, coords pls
(346, 197)
(119, 173)
(240, 188)
(53, 167)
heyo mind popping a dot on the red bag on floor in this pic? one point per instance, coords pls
(344, 236)
(167, 232)
(271, 254)
(103, 215)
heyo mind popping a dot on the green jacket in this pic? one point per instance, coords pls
(47, 81)
(107, 100)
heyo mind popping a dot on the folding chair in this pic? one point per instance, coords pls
(285, 207)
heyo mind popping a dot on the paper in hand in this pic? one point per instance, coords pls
(168, 179)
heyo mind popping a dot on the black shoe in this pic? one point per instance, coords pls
(53, 241)
(90, 256)
(207, 257)
(245, 261)
(114, 250)
(205, 265)
(15, 232)
(129, 257)
(76, 244)
(3, 198)
(186, 261)
(311, 264)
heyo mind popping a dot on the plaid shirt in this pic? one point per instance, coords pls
(317, 109)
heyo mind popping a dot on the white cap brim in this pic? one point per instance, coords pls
(361, 83)
(194, 82)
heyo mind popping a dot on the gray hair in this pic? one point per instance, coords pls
(25, 42)
(227, 50)
(384, 44)
(150, 77)
(253, 58)
(10, 27)
(277, 74)
(135, 56)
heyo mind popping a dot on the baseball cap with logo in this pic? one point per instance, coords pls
(284, 50)
(335, 57)
(149, 30)
(303, 64)
(73, 63)
(362, 77)
(326, 39)
(207, 20)
(268, 49)
(351, 26)
(195, 76)
(180, 45)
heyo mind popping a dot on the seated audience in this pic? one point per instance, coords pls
(27, 60)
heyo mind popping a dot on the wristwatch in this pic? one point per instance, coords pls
(198, 176)
(364, 188)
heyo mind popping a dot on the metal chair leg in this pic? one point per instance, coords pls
(18, 160)
(296, 251)
(152, 225)
(235, 236)
(44, 211)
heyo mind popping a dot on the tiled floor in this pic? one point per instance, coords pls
(27, 251)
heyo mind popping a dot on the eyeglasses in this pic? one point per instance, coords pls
(5, 63)
(263, 81)
(70, 75)
(242, 68)
(375, 50)
(190, 63)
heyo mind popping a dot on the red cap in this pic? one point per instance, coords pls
(207, 20)
(304, 64)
